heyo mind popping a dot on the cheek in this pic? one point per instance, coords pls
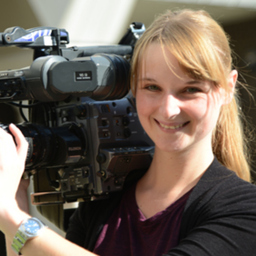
(144, 108)
(142, 104)
(206, 113)
(141, 109)
(196, 109)
(207, 107)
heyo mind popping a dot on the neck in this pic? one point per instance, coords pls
(177, 171)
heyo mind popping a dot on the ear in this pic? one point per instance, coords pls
(231, 83)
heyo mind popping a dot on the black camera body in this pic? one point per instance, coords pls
(83, 125)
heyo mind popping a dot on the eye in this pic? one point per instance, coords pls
(192, 90)
(152, 88)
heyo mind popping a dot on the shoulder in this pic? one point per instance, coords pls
(221, 210)
(220, 180)
(221, 192)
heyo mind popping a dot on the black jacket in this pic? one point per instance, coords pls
(219, 217)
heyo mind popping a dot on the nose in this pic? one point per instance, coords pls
(170, 107)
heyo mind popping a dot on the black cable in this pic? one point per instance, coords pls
(23, 115)
(22, 105)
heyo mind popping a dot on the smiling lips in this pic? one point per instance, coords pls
(172, 127)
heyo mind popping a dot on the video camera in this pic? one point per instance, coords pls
(83, 129)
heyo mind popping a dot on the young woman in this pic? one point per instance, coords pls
(188, 202)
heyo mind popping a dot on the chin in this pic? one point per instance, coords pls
(170, 148)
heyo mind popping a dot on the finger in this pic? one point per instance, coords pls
(22, 144)
(15, 131)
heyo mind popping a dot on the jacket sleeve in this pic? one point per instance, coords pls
(221, 221)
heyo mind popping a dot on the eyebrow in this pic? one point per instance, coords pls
(190, 81)
(146, 79)
(195, 81)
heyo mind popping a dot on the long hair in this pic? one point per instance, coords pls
(202, 49)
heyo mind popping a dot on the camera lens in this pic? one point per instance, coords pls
(52, 147)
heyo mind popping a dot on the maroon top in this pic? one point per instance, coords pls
(129, 233)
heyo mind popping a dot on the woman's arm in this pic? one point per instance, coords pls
(12, 162)
(22, 200)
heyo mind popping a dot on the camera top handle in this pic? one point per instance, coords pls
(54, 38)
(34, 37)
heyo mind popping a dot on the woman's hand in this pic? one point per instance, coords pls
(12, 161)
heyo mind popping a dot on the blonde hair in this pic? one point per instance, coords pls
(202, 48)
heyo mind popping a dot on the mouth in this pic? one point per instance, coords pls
(172, 127)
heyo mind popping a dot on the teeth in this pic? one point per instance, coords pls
(171, 127)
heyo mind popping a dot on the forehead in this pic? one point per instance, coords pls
(158, 60)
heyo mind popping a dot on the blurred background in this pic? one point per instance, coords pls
(101, 22)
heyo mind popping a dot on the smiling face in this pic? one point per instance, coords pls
(178, 112)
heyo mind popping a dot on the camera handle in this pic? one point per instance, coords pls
(133, 34)
(39, 37)
(52, 198)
